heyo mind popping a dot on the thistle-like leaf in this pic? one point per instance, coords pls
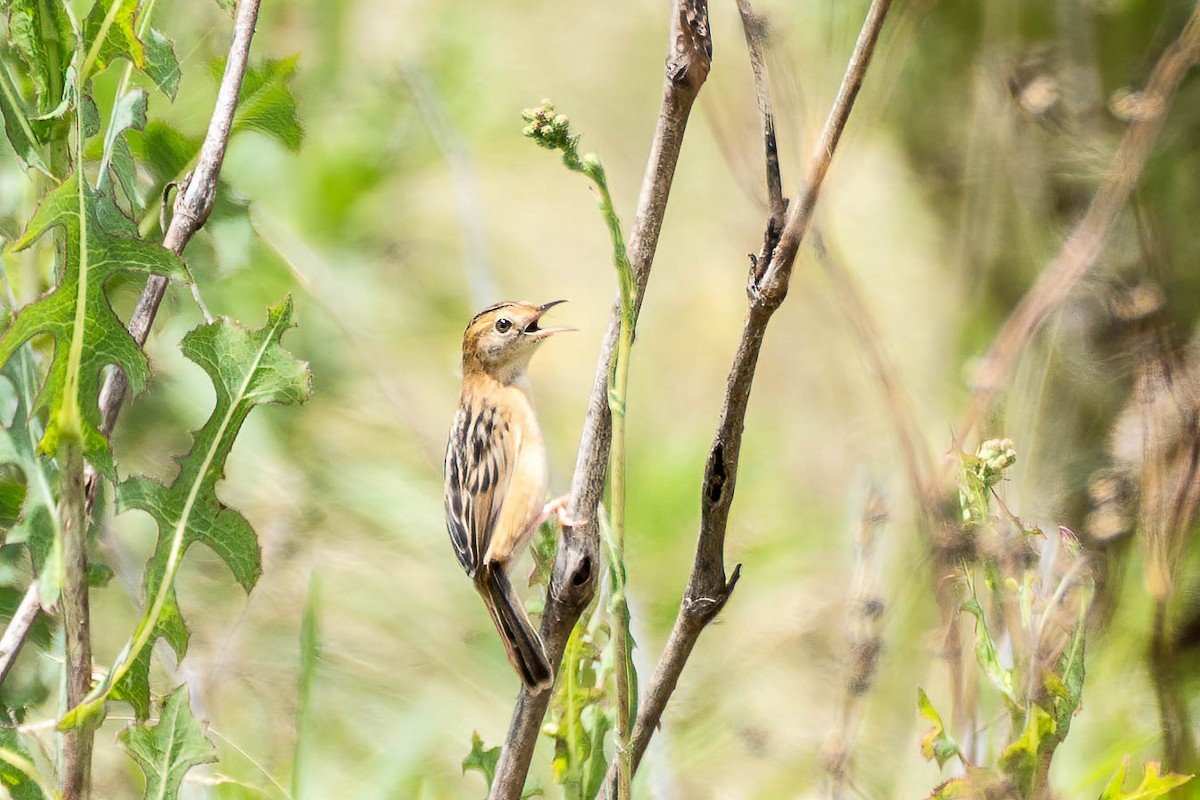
(87, 335)
(1154, 783)
(38, 525)
(18, 127)
(266, 103)
(18, 774)
(108, 34)
(161, 65)
(166, 750)
(41, 35)
(936, 744)
(248, 368)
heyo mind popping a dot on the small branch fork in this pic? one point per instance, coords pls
(708, 588)
(573, 581)
(192, 207)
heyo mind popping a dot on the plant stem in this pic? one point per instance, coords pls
(73, 517)
(77, 742)
(617, 394)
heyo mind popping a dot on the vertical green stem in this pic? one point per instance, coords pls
(77, 742)
(617, 392)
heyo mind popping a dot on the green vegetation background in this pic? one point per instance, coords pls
(415, 200)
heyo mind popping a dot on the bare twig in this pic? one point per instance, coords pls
(573, 580)
(708, 589)
(18, 629)
(1081, 250)
(193, 204)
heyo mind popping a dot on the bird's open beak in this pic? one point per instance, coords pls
(535, 331)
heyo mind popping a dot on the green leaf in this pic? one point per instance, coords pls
(108, 34)
(986, 655)
(166, 750)
(482, 760)
(38, 526)
(161, 65)
(248, 368)
(87, 334)
(17, 126)
(1020, 759)
(1154, 784)
(266, 104)
(18, 774)
(40, 32)
(129, 113)
(936, 743)
(164, 151)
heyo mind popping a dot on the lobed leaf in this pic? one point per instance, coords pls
(266, 103)
(161, 65)
(17, 126)
(1154, 783)
(481, 759)
(108, 34)
(936, 744)
(248, 368)
(166, 750)
(77, 316)
(40, 32)
(38, 525)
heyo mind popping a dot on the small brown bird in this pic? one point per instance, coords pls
(495, 471)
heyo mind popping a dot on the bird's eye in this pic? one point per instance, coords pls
(503, 325)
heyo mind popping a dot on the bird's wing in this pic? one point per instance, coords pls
(479, 460)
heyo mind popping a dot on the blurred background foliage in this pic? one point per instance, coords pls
(982, 132)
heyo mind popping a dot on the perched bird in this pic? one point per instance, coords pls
(495, 471)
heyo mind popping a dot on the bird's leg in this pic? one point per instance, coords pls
(556, 508)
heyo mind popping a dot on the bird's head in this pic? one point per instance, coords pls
(501, 339)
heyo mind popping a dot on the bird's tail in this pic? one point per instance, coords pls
(525, 649)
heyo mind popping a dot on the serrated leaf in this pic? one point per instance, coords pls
(936, 744)
(17, 126)
(38, 526)
(128, 113)
(163, 150)
(40, 33)
(1020, 759)
(266, 103)
(248, 368)
(161, 65)
(482, 759)
(108, 34)
(166, 750)
(18, 775)
(87, 335)
(985, 653)
(1154, 783)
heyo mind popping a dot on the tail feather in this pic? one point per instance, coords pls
(525, 649)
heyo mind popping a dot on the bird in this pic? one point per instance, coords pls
(495, 471)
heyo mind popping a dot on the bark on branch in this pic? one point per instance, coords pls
(576, 565)
(708, 587)
(193, 204)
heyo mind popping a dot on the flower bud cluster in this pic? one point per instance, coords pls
(995, 456)
(548, 128)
